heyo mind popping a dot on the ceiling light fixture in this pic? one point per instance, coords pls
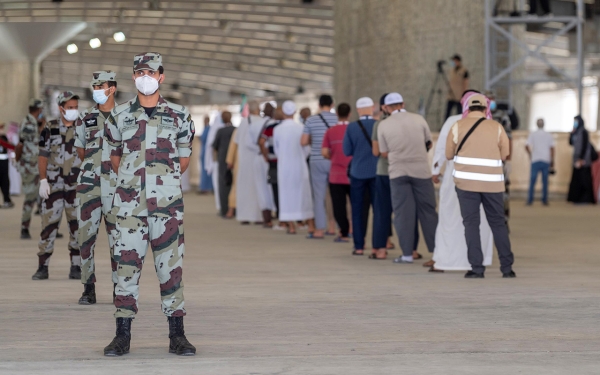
(72, 48)
(119, 37)
(95, 43)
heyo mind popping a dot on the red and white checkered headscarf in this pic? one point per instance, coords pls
(465, 104)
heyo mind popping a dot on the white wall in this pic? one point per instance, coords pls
(558, 108)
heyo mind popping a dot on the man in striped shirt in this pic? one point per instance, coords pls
(314, 131)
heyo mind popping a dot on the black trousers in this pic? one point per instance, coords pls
(5, 180)
(544, 3)
(224, 189)
(493, 205)
(451, 105)
(340, 193)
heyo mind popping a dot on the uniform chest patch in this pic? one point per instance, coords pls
(167, 121)
(128, 121)
(91, 122)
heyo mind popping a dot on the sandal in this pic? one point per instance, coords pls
(419, 256)
(290, 232)
(340, 239)
(429, 263)
(391, 247)
(356, 252)
(433, 269)
(330, 233)
(311, 236)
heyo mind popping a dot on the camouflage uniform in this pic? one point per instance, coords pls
(57, 144)
(29, 136)
(148, 201)
(95, 186)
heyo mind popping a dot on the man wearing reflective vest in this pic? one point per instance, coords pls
(479, 146)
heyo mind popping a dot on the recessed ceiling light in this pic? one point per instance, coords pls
(72, 48)
(95, 43)
(119, 37)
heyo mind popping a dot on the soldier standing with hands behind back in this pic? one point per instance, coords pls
(27, 156)
(151, 144)
(59, 168)
(96, 184)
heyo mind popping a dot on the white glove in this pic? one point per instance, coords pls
(44, 189)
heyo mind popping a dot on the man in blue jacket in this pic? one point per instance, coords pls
(357, 143)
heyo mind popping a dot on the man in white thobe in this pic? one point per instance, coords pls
(450, 244)
(211, 165)
(295, 197)
(264, 193)
(246, 199)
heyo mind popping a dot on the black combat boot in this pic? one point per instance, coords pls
(89, 294)
(120, 344)
(179, 343)
(41, 274)
(75, 273)
(25, 234)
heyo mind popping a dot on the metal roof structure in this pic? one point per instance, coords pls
(211, 48)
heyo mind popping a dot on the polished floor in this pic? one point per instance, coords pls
(263, 302)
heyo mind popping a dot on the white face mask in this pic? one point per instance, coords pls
(146, 85)
(100, 97)
(71, 114)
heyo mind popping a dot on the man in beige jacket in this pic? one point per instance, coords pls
(479, 147)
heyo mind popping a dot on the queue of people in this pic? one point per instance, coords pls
(380, 164)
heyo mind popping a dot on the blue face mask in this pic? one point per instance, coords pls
(100, 97)
(452, 64)
(40, 116)
(493, 105)
(576, 124)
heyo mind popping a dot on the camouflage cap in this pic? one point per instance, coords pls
(147, 60)
(66, 96)
(36, 103)
(102, 76)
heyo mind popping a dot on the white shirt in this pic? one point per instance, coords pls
(540, 143)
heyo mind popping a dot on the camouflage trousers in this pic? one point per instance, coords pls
(52, 210)
(164, 235)
(91, 209)
(30, 183)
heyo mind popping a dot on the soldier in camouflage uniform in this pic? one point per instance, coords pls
(59, 169)
(96, 184)
(151, 144)
(27, 157)
(502, 117)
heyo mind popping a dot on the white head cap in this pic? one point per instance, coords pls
(393, 98)
(364, 102)
(288, 107)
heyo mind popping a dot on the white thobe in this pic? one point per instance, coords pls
(264, 193)
(210, 165)
(295, 197)
(246, 198)
(450, 243)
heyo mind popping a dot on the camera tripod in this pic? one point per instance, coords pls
(439, 83)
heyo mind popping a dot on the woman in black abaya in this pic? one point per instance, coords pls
(581, 189)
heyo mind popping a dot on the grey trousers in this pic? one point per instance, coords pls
(414, 199)
(319, 179)
(493, 205)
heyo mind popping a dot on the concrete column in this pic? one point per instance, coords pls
(14, 90)
(394, 45)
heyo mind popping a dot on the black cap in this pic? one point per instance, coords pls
(456, 57)
(382, 100)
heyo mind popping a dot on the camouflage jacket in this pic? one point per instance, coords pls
(57, 144)
(97, 177)
(149, 177)
(29, 136)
